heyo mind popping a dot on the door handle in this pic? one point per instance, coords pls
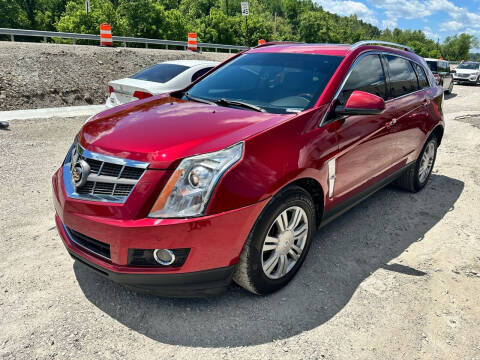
(391, 123)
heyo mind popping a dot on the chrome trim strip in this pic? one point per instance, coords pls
(111, 159)
(71, 239)
(111, 179)
(331, 176)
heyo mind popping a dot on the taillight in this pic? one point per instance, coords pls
(141, 95)
(110, 89)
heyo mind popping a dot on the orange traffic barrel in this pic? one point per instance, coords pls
(105, 35)
(192, 41)
(261, 41)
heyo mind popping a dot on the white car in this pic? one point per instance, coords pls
(467, 72)
(158, 79)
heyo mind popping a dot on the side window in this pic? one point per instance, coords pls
(200, 73)
(402, 77)
(367, 76)
(422, 77)
(441, 66)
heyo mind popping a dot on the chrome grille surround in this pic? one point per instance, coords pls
(111, 179)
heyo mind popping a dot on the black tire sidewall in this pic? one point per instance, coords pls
(417, 183)
(292, 196)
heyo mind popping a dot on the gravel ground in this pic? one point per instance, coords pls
(397, 277)
(39, 75)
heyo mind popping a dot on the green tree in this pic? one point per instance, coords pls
(458, 47)
(219, 28)
(77, 20)
(12, 15)
(317, 27)
(142, 18)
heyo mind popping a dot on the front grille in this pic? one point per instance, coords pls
(463, 75)
(109, 179)
(92, 245)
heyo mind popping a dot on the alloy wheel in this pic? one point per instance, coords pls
(285, 242)
(426, 163)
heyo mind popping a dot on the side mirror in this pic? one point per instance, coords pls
(362, 103)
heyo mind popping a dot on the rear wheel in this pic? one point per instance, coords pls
(416, 177)
(450, 88)
(278, 242)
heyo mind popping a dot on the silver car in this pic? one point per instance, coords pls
(467, 72)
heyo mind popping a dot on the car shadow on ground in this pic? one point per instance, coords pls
(450, 96)
(343, 254)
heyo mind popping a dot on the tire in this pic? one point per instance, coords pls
(450, 88)
(256, 255)
(413, 179)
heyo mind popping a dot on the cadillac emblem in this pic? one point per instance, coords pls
(80, 171)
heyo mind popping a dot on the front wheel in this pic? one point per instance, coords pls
(416, 177)
(278, 242)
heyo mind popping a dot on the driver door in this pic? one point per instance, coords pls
(365, 142)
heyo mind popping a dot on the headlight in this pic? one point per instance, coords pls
(190, 187)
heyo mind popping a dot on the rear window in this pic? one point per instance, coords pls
(160, 73)
(200, 73)
(403, 79)
(422, 77)
(433, 65)
(276, 82)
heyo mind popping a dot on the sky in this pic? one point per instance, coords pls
(436, 18)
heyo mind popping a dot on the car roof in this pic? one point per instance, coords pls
(191, 63)
(301, 48)
(343, 50)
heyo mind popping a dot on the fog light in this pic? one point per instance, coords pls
(164, 256)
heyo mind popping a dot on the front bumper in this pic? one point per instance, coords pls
(215, 243)
(472, 79)
(200, 283)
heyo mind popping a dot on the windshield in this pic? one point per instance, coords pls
(160, 73)
(432, 65)
(275, 82)
(469, 66)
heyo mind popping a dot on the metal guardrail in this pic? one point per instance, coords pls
(123, 39)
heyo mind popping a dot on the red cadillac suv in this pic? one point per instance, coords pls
(180, 193)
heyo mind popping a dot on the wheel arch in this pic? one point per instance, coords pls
(438, 133)
(313, 187)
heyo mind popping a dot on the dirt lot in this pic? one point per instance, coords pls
(397, 277)
(38, 75)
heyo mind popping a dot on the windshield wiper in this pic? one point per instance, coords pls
(239, 103)
(205, 101)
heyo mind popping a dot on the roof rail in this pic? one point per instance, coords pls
(379, 42)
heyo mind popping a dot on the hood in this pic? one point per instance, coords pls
(466, 71)
(163, 129)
